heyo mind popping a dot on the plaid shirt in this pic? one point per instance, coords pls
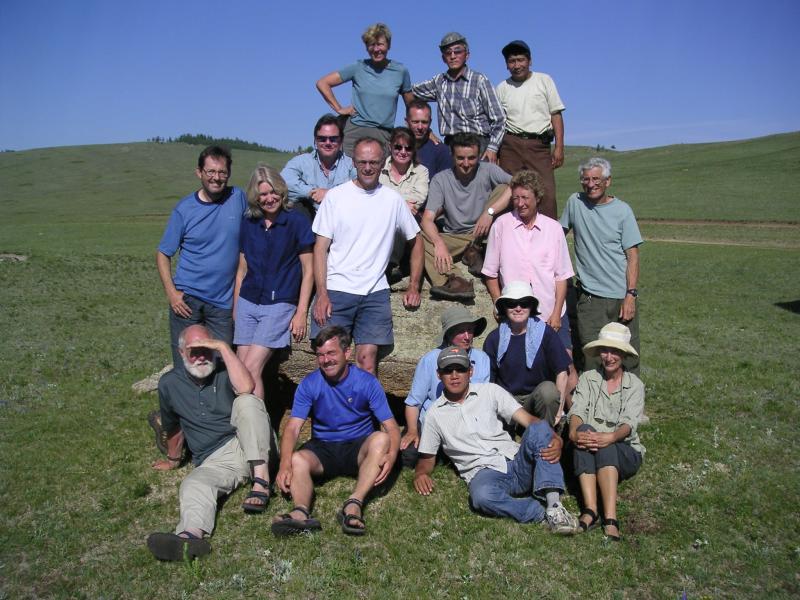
(466, 104)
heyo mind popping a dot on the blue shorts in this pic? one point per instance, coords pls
(367, 318)
(563, 333)
(264, 325)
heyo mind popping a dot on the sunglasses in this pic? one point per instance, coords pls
(401, 147)
(456, 368)
(333, 139)
(515, 303)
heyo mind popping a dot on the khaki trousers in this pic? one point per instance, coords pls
(228, 467)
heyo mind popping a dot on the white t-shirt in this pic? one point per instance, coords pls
(361, 226)
(529, 104)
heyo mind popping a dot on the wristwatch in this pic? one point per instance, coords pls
(633, 292)
(490, 211)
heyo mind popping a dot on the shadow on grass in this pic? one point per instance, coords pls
(791, 306)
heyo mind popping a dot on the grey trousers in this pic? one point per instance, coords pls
(542, 402)
(228, 467)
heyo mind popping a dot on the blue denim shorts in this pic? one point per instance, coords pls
(265, 325)
(368, 318)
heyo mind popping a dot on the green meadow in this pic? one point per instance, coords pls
(712, 513)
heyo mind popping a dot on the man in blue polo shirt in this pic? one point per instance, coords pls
(204, 227)
(342, 401)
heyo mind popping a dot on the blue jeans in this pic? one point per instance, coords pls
(219, 322)
(493, 493)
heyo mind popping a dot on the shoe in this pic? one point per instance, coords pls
(455, 288)
(644, 420)
(586, 527)
(472, 258)
(154, 420)
(348, 522)
(255, 509)
(285, 524)
(394, 274)
(611, 523)
(560, 521)
(169, 546)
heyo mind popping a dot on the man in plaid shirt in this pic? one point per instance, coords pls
(466, 101)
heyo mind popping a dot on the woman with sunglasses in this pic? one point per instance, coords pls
(377, 81)
(527, 357)
(606, 411)
(275, 277)
(402, 173)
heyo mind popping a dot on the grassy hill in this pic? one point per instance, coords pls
(712, 513)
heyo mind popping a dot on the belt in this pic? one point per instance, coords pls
(545, 137)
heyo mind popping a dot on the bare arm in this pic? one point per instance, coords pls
(174, 295)
(554, 320)
(411, 299)
(300, 319)
(174, 448)
(628, 309)
(241, 380)
(422, 474)
(241, 271)
(391, 427)
(485, 221)
(322, 308)
(411, 437)
(325, 86)
(288, 442)
(558, 128)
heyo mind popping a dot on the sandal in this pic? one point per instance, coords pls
(286, 524)
(612, 523)
(169, 546)
(586, 527)
(257, 509)
(347, 520)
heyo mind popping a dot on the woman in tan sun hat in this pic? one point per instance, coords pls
(606, 409)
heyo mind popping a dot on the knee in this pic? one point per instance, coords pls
(248, 408)
(378, 443)
(585, 427)
(539, 433)
(300, 463)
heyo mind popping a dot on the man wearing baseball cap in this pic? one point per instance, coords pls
(465, 98)
(459, 328)
(533, 120)
(505, 479)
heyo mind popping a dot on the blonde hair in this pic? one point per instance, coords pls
(373, 32)
(529, 180)
(264, 174)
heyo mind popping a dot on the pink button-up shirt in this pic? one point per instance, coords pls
(538, 255)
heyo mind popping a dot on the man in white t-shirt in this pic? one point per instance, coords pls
(355, 229)
(533, 119)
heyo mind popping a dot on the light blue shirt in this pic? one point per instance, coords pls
(207, 235)
(426, 386)
(602, 234)
(303, 173)
(375, 92)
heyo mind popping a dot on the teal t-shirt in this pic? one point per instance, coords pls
(602, 234)
(375, 91)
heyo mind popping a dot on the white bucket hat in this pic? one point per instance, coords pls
(613, 335)
(517, 290)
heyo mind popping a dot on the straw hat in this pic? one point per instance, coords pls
(613, 335)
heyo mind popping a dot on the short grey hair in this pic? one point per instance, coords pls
(593, 162)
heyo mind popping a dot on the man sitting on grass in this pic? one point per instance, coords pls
(505, 479)
(342, 401)
(226, 428)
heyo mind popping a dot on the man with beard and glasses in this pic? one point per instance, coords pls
(227, 430)
(310, 176)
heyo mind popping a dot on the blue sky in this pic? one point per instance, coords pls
(631, 73)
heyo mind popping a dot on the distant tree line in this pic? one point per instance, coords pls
(201, 139)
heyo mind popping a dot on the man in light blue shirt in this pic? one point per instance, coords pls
(310, 176)
(459, 328)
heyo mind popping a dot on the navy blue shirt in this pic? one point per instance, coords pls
(434, 157)
(274, 272)
(513, 374)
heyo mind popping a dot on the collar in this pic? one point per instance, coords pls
(281, 219)
(519, 222)
(465, 74)
(442, 400)
(315, 156)
(385, 170)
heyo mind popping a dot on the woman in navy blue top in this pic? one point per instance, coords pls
(275, 276)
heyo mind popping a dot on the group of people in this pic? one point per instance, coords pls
(311, 251)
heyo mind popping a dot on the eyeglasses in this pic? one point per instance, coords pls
(454, 51)
(402, 148)
(367, 163)
(592, 180)
(215, 173)
(456, 368)
(333, 139)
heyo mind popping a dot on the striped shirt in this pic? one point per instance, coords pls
(466, 104)
(471, 432)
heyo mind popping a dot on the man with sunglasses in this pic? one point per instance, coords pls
(505, 479)
(309, 176)
(466, 100)
(204, 227)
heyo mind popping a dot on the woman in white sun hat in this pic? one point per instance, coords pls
(606, 410)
